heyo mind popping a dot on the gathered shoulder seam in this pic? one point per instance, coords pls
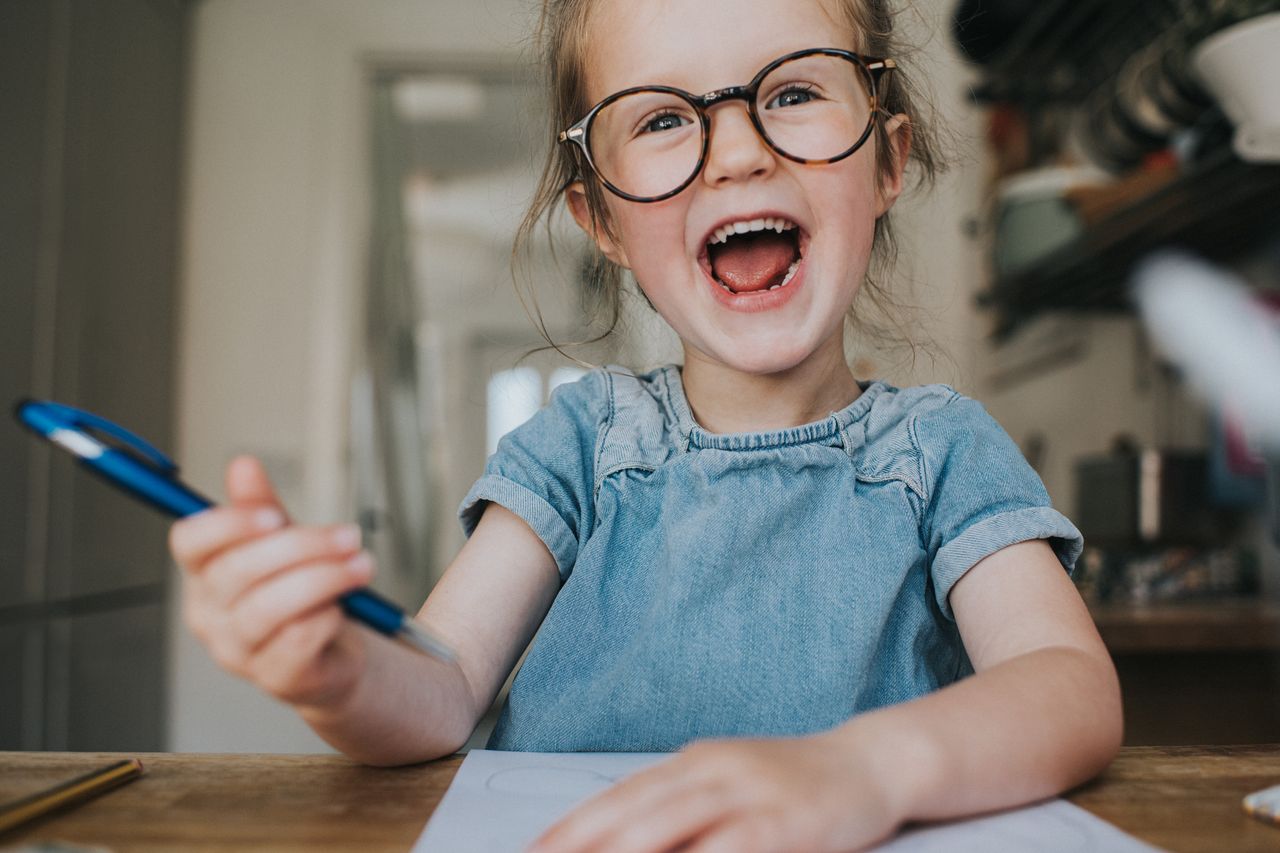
(596, 476)
(922, 465)
(600, 473)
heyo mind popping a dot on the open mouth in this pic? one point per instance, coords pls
(754, 255)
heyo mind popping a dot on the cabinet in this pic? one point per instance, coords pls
(1074, 80)
(90, 161)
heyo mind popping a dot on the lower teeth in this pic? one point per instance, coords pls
(791, 273)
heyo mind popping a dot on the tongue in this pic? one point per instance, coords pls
(754, 261)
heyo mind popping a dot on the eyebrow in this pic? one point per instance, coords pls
(636, 80)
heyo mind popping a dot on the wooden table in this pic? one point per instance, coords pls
(1209, 625)
(1180, 798)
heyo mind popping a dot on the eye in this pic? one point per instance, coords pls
(662, 121)
(793, 95)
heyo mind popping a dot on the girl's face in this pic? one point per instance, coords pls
(700, 45)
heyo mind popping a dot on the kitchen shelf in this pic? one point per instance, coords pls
(1218, 209)
(1210, 625)
(1044, 61)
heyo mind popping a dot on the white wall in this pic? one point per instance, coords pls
(1109, 387)
(940, 267)
(275, 223)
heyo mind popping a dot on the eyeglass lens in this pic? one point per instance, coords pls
(813, 107)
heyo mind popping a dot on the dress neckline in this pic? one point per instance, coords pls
(694, 435)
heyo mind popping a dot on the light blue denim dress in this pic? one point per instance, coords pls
(755, 584)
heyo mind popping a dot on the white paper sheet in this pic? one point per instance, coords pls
(501, 801)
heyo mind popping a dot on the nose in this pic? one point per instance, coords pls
(736, 152)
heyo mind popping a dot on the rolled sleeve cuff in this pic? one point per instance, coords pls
(991, 534)
(541, 517)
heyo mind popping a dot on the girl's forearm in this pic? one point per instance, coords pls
(405, 708)
(1028, 728)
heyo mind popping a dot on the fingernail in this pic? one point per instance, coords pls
(361, 564)
(347, 536)
(268, 519)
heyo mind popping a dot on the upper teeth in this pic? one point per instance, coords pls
(722, 233)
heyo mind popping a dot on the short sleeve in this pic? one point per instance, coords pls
(543, 470)
(981, 495)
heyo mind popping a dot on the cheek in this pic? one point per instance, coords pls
(861, 239)
(653, 238)
(850, 199)
(844, 206)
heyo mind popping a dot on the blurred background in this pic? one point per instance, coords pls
(283, 227)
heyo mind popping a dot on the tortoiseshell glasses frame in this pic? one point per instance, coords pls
(872, 69)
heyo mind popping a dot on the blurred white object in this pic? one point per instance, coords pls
(1033, 216)
(438, 97)
(1240, 66)
(1208, 323)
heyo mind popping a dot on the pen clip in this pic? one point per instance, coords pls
(73, 418)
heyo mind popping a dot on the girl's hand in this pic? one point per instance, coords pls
(736, 796)
(261, 593)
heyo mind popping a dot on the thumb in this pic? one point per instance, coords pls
(248, 485)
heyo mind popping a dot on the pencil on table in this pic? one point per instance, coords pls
(69, 793)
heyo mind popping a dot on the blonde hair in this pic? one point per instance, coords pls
(561, 39)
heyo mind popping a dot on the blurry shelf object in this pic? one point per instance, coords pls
(1212, 625)
(1043, 61)
(1219, 209)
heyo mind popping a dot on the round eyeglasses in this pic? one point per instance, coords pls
(814, 106)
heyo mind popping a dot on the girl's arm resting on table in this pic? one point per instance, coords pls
(1040, 715)
(407, 707)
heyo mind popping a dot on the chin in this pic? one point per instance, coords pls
(763, 358)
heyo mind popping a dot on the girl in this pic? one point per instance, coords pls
(843, 602)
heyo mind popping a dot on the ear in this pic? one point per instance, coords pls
(898, 132)
(575, 196)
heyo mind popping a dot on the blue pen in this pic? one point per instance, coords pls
(130, 463)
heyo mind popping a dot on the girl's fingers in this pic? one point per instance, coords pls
(248, 484)
(197, 539)
(685, 815)
(231, 574)
(631, 801)
(289, 663)
(255, 509)
(272, 604)
(742, 833)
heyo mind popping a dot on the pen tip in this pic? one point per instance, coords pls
(421, 639)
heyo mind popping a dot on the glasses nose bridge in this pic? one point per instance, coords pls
(725, 95)
(718, 97)
(728, 93)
